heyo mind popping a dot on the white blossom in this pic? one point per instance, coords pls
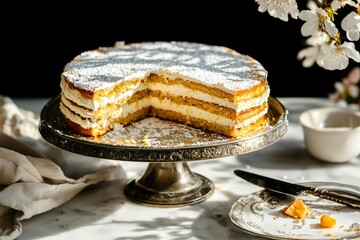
(315, 20)
(337, 4)
(353, 76)
(326, 44)
(319, 38)
(353, 91)
(337, 57)
(310, 55)
(348, 85)
(279, 8)
(351, 24)
(312, 5)
(348, 91)
(340, 88)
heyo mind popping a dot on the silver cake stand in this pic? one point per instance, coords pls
(166, 146)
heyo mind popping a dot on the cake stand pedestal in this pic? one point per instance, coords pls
(169, 184)
(168, 180)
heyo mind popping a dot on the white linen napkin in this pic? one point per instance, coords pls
(17, 122)
(31, 183)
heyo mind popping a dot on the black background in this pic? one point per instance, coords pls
(38, 40)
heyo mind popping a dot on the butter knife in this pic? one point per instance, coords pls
(348, 198)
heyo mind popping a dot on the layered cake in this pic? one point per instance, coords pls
(213, 88)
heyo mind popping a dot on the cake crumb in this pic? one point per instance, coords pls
(154, 132)
(146, 142)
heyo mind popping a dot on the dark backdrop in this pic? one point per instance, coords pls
(38, 40)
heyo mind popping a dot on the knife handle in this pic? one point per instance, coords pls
(344, 197)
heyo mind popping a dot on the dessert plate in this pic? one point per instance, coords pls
(261, 214)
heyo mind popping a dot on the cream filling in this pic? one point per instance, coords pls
(178, 90)
(196, 73)
(174, 90)
(165, 104)
(83, 112)
(75, 96)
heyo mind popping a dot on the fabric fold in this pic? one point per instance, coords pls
(33, 179)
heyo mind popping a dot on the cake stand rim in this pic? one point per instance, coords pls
(49, 130)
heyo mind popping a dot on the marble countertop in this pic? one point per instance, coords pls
(102, 211)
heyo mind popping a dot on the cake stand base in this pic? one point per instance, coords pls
(168, 181)
(169, 184)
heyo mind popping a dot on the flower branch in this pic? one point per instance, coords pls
(347, 91)
(326, 46)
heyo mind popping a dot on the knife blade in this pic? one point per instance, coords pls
(343, 197)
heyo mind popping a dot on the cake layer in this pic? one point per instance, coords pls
(155, 103)
(177, 89)
(256, 126)
(117, 110)
(99, 71)
(209, 87)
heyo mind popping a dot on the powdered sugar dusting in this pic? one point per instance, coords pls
(212, 65)
(157, 133)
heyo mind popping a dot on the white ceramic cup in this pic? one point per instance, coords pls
(332, 134)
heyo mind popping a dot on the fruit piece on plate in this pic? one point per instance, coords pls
(327, 221)
(297, 209)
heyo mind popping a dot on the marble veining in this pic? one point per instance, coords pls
(103, 212)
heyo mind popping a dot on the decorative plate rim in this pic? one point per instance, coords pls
(275, 202)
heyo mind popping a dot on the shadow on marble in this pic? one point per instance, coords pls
(94, 203)
(212, 223)
(290, 157)
(103, 212)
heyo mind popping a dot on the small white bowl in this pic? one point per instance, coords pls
(332, 134)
